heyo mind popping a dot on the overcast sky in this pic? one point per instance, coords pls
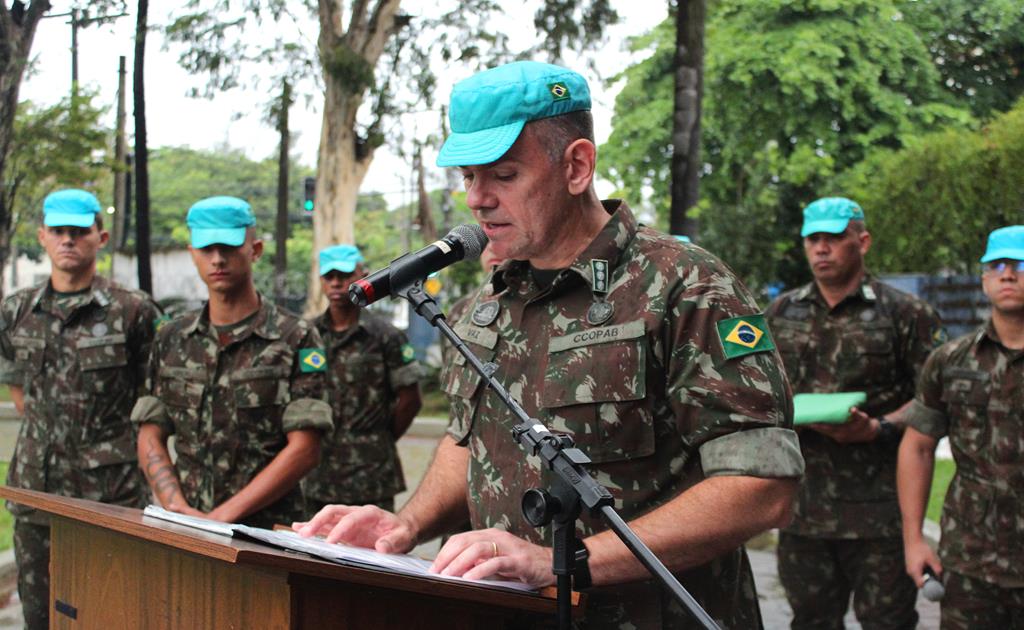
(234, 118)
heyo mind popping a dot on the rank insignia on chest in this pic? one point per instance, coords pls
(485, 313)
(408, 353)
(744, 335)
(312, 360)
(599, 269)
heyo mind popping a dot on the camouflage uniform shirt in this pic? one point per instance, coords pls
(875, 341)
(366, 364)
(230, 405)
(643, 387)
(972, 390)
(80, 360)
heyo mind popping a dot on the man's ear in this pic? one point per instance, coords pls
(865, 242)
(579, 159)
(257, 249)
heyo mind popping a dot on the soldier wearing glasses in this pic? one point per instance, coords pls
(972, 390)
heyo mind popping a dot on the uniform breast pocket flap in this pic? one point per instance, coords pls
(28, 353)
(261, 386)
(965, 387)
(873, 338)
(97, 353)
(594, 389)
(178, 392)
(460, 379)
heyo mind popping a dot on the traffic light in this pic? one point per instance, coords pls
(309, 187)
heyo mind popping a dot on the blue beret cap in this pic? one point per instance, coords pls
(343, 258)
(70, 207)
(219, 220)
(490, 108)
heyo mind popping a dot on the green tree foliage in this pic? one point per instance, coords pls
(795, 92)
(932, 204)
(60, 146)
(978, 48)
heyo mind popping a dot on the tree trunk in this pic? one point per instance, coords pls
(17, 30)
(340, 166)
(141, 155)
(424, 211)
(689, 78)
(281, 233)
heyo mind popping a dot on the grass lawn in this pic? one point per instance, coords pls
(5, 394)
(944, 469)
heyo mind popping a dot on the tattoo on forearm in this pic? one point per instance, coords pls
(160, 474)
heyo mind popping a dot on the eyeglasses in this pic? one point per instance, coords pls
(999, 266)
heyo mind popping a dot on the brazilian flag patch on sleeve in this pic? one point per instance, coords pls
(312, 360)
(744, 335)
(408, 353)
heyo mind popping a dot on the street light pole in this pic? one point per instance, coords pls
(78, 20)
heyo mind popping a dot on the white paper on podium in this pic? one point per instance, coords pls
(339, 553)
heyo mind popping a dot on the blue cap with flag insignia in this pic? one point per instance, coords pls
(490, 108)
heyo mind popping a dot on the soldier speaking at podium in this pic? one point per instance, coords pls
(650, 353)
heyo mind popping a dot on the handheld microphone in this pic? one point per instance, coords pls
(464, 242)
(932, 589)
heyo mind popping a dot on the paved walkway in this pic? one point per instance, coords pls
(416, 450)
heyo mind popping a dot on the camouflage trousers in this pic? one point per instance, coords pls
(315, 505)
(819, 574)
(32, 553)
(973, 604)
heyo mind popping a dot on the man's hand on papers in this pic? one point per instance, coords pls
(361, 526)
(860, 427)
(495, 553)
(186, 509)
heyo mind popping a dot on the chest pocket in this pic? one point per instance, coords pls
(97, 353)
(867, 354)
(602, 409)
(181, 387)
(965, 393)
(28, 353)
(791, 339)
(461, 382)
(261, 386)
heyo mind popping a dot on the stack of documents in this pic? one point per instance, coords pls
(339, 553)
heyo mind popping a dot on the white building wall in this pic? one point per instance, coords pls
(174, 275)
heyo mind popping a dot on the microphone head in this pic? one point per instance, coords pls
(933, 590)
(472, 238)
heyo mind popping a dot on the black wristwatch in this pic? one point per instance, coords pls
(887, 431)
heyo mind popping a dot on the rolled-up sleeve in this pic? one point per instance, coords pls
(307, 413)
(151, 410)
(768, 452)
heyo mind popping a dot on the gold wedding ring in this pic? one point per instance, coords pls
(494, 546)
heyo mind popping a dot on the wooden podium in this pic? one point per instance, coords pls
(112, 568)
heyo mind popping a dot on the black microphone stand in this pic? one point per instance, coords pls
(573, 487)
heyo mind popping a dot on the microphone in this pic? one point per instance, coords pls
(932, 589)
(464, 242)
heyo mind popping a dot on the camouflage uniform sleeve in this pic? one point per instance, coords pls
(308, 408)
(149, 409)
(142, 335)
(928, 413)
(738, 412)
(922, 333)
(9, 374)
(400, 361)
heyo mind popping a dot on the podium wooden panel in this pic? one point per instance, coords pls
(110, 567)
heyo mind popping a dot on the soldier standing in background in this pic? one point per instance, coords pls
(373, 391)
(847, 332)
(74, 352)
(239, 382)
(972, 390)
